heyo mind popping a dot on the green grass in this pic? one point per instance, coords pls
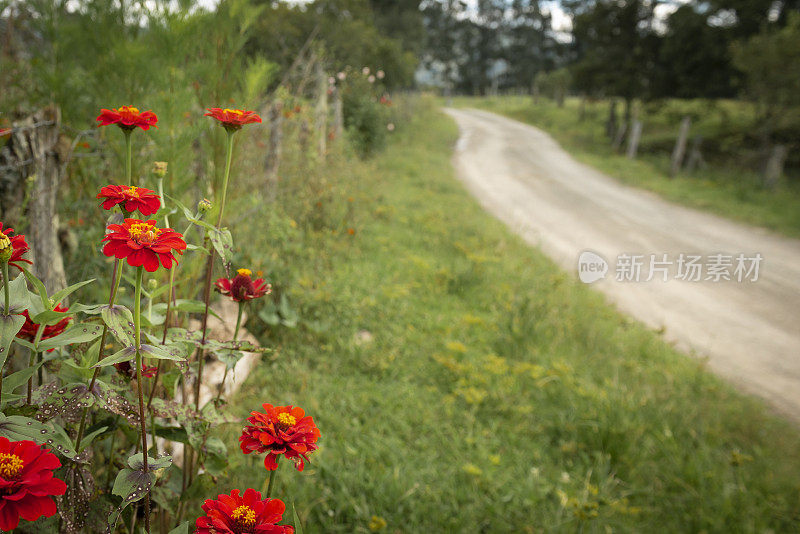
(725, 187)
(497, 394)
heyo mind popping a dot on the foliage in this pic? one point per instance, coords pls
(771, 64)
(367, 111)
(468, 383)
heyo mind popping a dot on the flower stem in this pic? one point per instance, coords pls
(235, 337)
(8, 298)
(116, 276)
(228, 158)
(164, 335)
(137, 325)
(210, 264)
(6, 288)
(128, 157)
(271, 481)
(34, 351)
(209, 272)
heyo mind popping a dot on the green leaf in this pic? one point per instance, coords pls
(186, 213)
(132, 485)
(125, 355)
(163, 352)
(49, 317)
(94, 309)
(10, 325)
(19, 296)
(120, 323)
(79, 333)
(189, 246)
(298, 528)
(136, 461)
(183, 528)
(229, 357)
(15, 380)
(39, 289)
(223, 243)
(18, 428)
(216, 456)
(67, 291)
(88, 438)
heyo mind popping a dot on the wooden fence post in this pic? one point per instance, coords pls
(611, 123)
(695, 156)
(774, 167)
(272, 161)
(633, 139)
(680, 147)
(338, 114)
(321, 110)
(33, 162)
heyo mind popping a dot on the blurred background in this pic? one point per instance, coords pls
(461, 381)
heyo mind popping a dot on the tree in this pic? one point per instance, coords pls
(770, 62)
(532, 48)
(694, 58)
(614, 44)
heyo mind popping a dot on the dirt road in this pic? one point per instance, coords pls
(749, 330)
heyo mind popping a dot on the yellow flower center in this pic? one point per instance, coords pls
(10, 465)
(128, 109)
(133, 191)
(244, 272)
(143, 233)
(5, 242)
(234, 111)
(286, 420)
(244, 515)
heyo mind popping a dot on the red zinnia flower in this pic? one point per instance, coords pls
(127, 369)
(128, 118)
(143, 244)
(242, 288)
(281, 430)
(13, 247)
(26, 482)
(233, 119)
(245, 514)
(29, 329)
(134, 198)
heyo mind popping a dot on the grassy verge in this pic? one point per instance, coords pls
(723, 188)
(462, 383)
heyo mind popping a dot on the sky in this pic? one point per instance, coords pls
(561, 21)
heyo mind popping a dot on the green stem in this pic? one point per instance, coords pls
(164, 335)
(6, 288)
(116, 275)
(137, 326)
(7, 309)
(228, 158)
(235, 337)
(271, 481)
(31, 361)
(128, 157)
(163, 203)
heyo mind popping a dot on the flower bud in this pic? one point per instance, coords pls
(152, 284)
(160, 168)
(204, 206)
(6, 248)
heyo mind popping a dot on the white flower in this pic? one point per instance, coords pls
(371, 79)
(365, 71)
(331, 80)
(380, 74)
(341, 75)
(390, 126)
